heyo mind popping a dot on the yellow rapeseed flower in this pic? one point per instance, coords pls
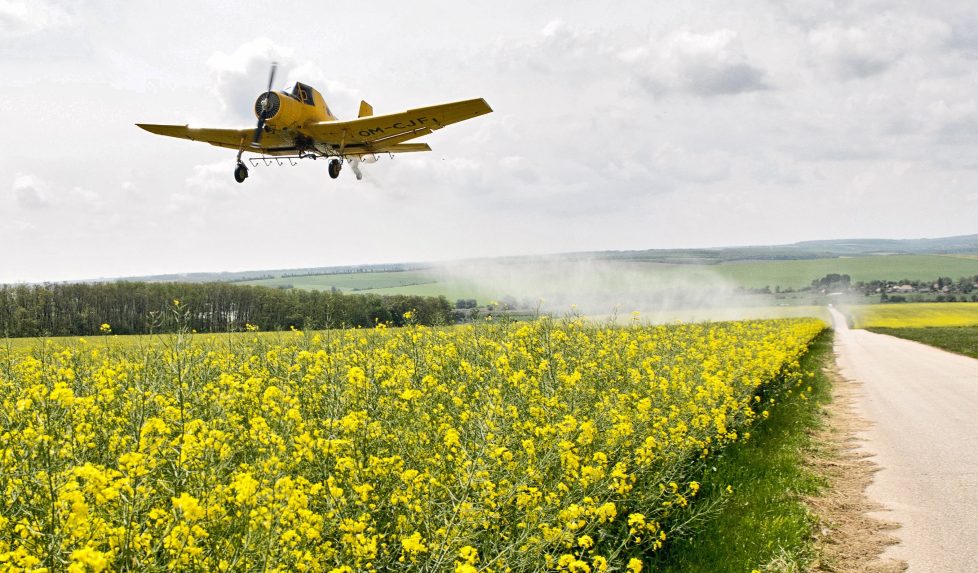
(87, 559)
(367, 450)
(189, 507)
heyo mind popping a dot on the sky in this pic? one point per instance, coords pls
(630, 125)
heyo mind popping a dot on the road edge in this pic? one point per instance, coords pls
(847, 539)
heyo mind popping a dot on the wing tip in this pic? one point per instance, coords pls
(160, 129)
(479, 105)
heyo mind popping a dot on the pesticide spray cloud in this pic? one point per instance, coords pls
(602, 288)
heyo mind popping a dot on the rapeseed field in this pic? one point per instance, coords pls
(914, 315)
(545, 445)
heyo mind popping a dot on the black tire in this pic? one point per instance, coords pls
(240, 173)
(334, 168)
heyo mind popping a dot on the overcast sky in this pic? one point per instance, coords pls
(638, 125)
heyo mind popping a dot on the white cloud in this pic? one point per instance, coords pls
(208, 187)
(30, 192)
(953, 121)
(705, 64)
(558, 38)
(82, 198)
(243, 74)
(19, 18)
(211, 179)
(558, 52)
(870, 47)
(688, 167)
(431, 177)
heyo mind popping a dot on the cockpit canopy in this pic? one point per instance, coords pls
(303, 93)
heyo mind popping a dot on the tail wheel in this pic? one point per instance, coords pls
(240, 173)
(334, 168)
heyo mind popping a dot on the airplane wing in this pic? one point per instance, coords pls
(407, 148)
(271, 143)
(383, 133)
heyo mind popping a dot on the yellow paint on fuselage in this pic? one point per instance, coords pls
(320, 104)
(293, 113)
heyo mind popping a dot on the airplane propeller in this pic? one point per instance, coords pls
(265, 105)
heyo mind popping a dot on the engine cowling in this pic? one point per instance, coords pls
(281, 111)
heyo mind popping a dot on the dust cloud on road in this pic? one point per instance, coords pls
(922, 404)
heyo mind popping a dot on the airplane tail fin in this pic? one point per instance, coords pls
(366, 110)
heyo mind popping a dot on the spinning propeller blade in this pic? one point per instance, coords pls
(265, 105)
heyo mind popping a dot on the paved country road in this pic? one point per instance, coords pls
(922, 404)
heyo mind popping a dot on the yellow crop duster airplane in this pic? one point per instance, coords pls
(299, 125)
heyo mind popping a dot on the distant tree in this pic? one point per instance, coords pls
(833, 281)
(137, 308)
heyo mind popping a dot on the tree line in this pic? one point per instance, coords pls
(144, 308)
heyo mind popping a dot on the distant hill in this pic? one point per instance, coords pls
(940, 246)
(805, 250)
(241, 276)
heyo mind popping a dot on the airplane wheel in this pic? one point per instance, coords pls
(334, 168)
(240, 173)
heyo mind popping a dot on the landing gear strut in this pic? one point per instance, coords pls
(240, 172)
(334, 168)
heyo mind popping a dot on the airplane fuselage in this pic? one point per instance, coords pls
(284, 110)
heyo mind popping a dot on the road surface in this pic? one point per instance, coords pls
(922, 404)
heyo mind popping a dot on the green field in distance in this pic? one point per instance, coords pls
(799, 273)
(786, 274)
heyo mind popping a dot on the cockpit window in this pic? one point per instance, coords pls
(303, 93)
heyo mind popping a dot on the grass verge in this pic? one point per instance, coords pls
(850, 536)
(764, 524)
(960, 339)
